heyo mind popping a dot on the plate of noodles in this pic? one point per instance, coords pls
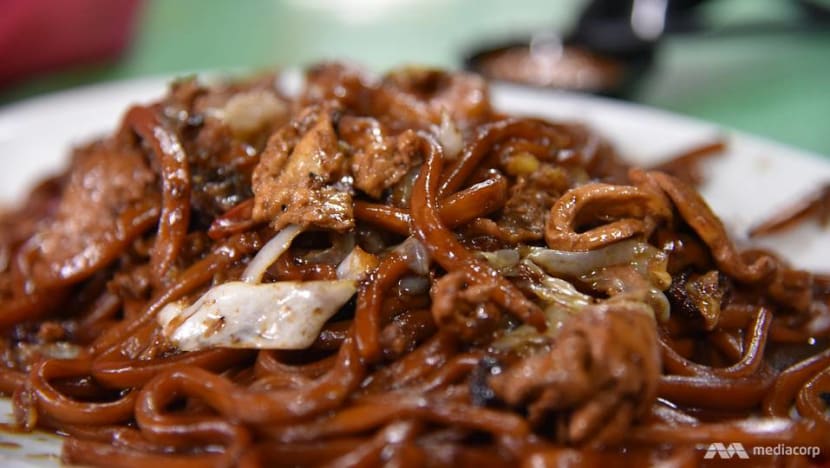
(332, 267)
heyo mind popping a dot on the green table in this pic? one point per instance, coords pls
(772, 84)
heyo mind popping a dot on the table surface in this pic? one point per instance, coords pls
(772, 83)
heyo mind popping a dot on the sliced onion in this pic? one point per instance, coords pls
(524, 340)
(659, 303)
(560, 299)
(501, 260)
(402, 191)
(649, 262)
(269, 253)
(415, 254)
(357, 265)
(556, 292)
(562, 262)
(414, 285)
(340, 248)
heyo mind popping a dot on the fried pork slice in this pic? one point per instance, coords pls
(302, 177)
(598, 377)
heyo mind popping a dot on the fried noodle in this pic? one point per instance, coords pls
(387, 270)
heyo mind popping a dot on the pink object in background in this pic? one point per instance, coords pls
(45, 35)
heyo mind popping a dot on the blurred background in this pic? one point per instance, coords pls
(761, 66)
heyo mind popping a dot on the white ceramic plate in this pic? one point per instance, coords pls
(753, 180)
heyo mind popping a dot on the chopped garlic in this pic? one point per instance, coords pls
(282, 315)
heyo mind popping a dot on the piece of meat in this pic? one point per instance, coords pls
(348, 85)
(418, 96)
(223, 128)
(531, 198)
(599, 376)
(699, 296)
(302, 177)
(640, 281)
(411, 97)
(464, 308)
(88, 231)
(378, 160)
(18, 225)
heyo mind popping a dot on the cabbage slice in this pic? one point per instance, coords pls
(281, 315)
(254, 315)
